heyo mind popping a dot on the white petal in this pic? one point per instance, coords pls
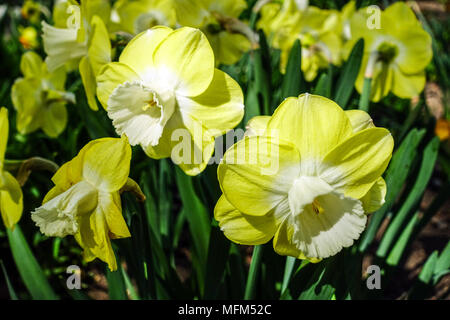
(304, 190)
(140, 113)
(338, 224)
(59, 216)
(61, 46)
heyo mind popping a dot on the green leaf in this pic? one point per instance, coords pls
(442, 266)
(288, 270)
(236, 274)
(29, 269)
(258, 95)
(402, 242)
(293, 81)
(312, 281)
(323, 87)
(128, 285)
(422, 287)
(12, 292)
(198, 219)
(116, 285)
(346, 81)
(413, 199)
(396, 175)
(218, 252)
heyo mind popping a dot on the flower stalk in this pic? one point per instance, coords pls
(253, 273)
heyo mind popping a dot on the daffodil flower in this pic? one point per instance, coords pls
(40, 98)
(306, 177)
(83, 41)
(396, 51)
(317, 30)
(137, 16)
(165, 88)
(11, 198)
(85, 201)
(28, 37)
(216, 19)
(31, 11)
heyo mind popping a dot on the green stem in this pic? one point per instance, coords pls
(289, 267)
(253, 273)
(365, 96)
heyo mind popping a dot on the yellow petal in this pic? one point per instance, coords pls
(356, 164)
(93, 237)
(106, 163)
(191, 13)
(139, 52)
(229, 47)
(374, 198)
(4, 131)
(110, 77)
(257, 173)
(243, 229)
(187, 55)
(100, 8)
(282, 243)
(29, 115)
(407, 85)
(220, 108)
(359, 119)
(11, 200)
(110, 202)
(31, 64)
(257, 126)
(100, 48)
(55, 119)
(186, 142)
(89, 82)
(313, 123)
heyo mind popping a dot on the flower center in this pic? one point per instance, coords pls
(317, 208)
(387, 51)
(140, 112)
(305, 193)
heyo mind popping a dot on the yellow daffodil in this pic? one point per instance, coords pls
(31, 11)
(165, 88)
(345, 16)
(84, 40)
(397, 50)
(442, 129)
(218, 20)
(305, 177)
(137, 16)
(277, 17)
(39, 97)
(85, 201)
(11, 198)
(317, 29)
(28, 37)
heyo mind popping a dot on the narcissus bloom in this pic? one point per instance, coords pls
(218, 20)
(317, 29)
(40, 98)
(137, 16)
(28, 37)
(31, 11)
(165, 88)
(306, 177)
(11, 198)
(398, 50)
(84, 40)
(85, 201)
